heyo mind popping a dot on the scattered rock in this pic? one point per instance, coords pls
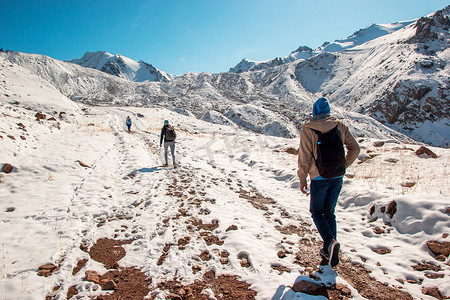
(444, 235)
(292, 151)
(11, 137)
(51, 119)
(205, 256)
(378, 144)
(245, 263)
(281, 269)
(432, 291)
(232, 227)
(392, 208)
(378, 230)
(80, 265)
(439, 248)
(109, 285)
(10, 209)
(447, 209)
(183, 242)
(382, 251)
(343, 289)
(425, 150)
(21, 126)
(425, 266)
(47, 270)
(92, 276)
(72, 292)
(40, 116)
(83, 164)
(408, 184)
(309, 287)
(281, 254)
(434, 275)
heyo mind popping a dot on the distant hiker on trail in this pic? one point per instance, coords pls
(321, 155)
(128, 123)
(169, 136)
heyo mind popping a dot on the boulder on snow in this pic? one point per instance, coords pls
(425, 150)
(433, 292)
(40, 116)
(7, 168)
(392, 208)
(439, 248)
(308, 287)
(47, 270)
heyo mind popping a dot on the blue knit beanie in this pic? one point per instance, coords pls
(321, 107)
(166, 122)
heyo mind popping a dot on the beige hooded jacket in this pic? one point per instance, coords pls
(308, 145)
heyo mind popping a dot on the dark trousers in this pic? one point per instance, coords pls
(324, 196)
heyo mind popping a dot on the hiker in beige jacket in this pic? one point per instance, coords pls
(324, 191)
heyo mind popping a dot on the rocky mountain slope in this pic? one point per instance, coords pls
(400, 79)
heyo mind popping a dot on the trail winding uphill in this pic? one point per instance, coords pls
(97, 212)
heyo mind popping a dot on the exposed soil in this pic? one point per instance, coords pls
(223, 286)
(129, 283)
(108, 252)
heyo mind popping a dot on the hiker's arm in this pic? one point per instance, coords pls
(352, 147)
(304, 157)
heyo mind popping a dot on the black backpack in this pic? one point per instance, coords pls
(330, 158)
(170, 133)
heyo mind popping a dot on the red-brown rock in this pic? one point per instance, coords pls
(109, 285)
(439, 248)
(308, 287)
(7, 168)
(427, 151)
(40, 116)
(433, 292)
(92, 276)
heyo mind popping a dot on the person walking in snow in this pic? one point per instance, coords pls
(317, 139)
(128, 123)
(168, 135)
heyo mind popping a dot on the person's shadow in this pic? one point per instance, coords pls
(149, 170)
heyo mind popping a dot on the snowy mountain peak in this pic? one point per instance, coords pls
(122, 66)
(362, 36)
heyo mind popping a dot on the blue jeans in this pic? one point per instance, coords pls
(324, 196)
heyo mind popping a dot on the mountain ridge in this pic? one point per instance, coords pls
(399, 79)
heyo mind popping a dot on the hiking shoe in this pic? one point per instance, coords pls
(165, 165)
(323, 254)
(325, 258)
(333, 249)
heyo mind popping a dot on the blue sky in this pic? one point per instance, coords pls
(192, 35)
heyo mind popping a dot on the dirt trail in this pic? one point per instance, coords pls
(171, 215)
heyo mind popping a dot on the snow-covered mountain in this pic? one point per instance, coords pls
(360, 37)
(121, 66)
(400, 79)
